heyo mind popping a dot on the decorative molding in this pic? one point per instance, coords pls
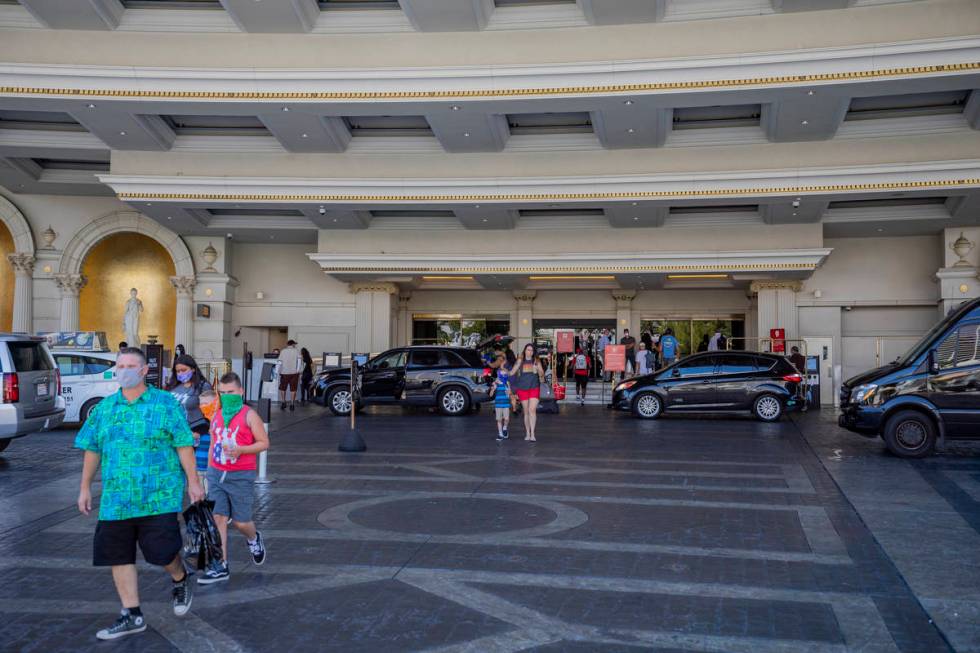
(795, 286)
(623, 297)
(18, 227)
(184, 285)
(385, 287)
(22, 263)
(526, 296)
(794, 68)
(70, 284)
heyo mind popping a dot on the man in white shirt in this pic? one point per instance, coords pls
(290, 366)
(715, 343)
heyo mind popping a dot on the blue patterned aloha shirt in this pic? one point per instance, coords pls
(141, 472)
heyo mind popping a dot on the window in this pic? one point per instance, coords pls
(946, 352)
(466, 358)
(389, 361)
(97, 365)
(70, 365)
(426, 358)
(29, 356)
(968, 346)
(699, 366)
(738, 364)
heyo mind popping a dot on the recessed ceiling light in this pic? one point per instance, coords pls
(285, 108)
(228, 235)
(91, 106)
(455, 107)
(466, 134)
(149, 203)
(794, 212)
(335, 219)
(630, 130)
(809, 92)
(880, 229)
(635, 218)
(170, 217)
(628, 102)
(804, 122)
(122, 133)
(476, 206)
(305, 135)
(484, 219)
(272, 237)
(634, 203)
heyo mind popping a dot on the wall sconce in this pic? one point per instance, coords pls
(208, 292)
(623, 322)
(259, 294)
(524, 321)
(47, 269)
(964, 288)
(817, 294)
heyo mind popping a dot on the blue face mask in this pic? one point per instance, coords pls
(129, 377)
(184, 377)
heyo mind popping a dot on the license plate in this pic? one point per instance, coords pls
(42, 390)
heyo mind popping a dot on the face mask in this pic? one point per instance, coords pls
(230, 405)
(129, 377)
(184, 377)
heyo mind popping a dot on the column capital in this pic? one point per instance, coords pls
(623, 297)
(70, 284)
(525, 295)
(403, 299)
(795, 286)
(373, 286)
(184, 285)
(22, 263)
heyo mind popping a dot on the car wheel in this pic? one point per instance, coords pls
(910, 434)
(767, 408)
(339, 401)
(4, 443)
(647, 406)
(453, 401)
(86, 409)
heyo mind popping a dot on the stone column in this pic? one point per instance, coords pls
(70, 286)
(624, 312)
(958, 281)
(404, 320)
(524, 329)
(23, 265)
(372, 316)
(776, 308)
(184, 325)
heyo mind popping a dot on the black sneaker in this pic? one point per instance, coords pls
(257, 549)
(215, 573)
(282, 406)
(182, 596)
(292, 407)
(500, 437)
(505, 434)
(126, 624)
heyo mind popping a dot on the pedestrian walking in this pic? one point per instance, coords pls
(527, 375)
(186, 384)
(237, 435)
(645, 362)
(306, 376)
(290, 366)
(501, 398)
(581, 365)
(668, 347)
(140, 437)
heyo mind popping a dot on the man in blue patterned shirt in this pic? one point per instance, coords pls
(140, 437)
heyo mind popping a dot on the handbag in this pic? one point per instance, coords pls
(546, 392)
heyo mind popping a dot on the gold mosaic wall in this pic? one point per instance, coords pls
(6, 279)
(116, 264)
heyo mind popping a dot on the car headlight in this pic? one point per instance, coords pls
(625, 385)
(864, 394)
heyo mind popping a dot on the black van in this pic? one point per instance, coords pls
(931, 393)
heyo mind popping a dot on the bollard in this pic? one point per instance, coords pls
(351, 441)
(264, 409)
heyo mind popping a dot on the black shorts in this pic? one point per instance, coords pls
(158, 536)
(581, 381)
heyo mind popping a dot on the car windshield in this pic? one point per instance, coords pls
(926, 340)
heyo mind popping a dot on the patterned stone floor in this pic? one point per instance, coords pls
(609, 534)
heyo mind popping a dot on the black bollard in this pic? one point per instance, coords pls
(352, 442)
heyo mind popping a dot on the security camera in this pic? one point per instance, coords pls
(323, 211)
(796, 204)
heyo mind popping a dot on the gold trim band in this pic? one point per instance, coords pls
(898, 185)
(483, 93)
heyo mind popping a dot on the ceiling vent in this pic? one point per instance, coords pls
(732, 115)
(388, 126)
(907, 105)
(573, 122)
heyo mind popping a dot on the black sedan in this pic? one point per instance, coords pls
(453, 379)
(765, 384)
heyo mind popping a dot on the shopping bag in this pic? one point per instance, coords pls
(203, 533)
(559, 392)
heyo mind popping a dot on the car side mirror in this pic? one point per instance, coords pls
(932, 362)
(675, 372)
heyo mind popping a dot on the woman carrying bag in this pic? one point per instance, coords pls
(526, 376)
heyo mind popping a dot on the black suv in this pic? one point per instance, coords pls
(453, 379)
(766, 384)
(930, 394)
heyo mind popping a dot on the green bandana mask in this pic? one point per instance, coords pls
(230, 405)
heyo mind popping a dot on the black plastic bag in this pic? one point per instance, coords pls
(203, 533)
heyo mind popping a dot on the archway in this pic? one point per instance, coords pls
(6, 280)
(16, 265)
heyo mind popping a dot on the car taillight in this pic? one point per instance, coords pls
(793, 378)
(57, 383)
(11, 388)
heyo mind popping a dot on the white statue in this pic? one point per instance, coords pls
(131, 319)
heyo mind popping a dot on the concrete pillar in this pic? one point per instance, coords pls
(523, 330)
(70, 286)
(373, 309)
(958, 280)
(404, 320)
(184, 324)
(777, 308)
(212, 332)
(624, 313)
(23, 265)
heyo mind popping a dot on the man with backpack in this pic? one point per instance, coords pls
(669, 347)
(581, 364)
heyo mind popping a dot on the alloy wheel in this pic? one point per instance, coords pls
(768, 407)
(341, 401)
(911, 434)
(648, 406)
(453, 401)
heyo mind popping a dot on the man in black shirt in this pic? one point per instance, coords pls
(797, 359)
(630, 343)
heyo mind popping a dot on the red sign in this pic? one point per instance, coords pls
(778, 337)
(565, 341)
(615, 360)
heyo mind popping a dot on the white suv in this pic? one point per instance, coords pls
(31, 388)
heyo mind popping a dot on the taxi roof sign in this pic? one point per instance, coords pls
(78, 340)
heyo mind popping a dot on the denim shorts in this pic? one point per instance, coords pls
(233, 493)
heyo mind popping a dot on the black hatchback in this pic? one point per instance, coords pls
(722, 381)
(453, 379)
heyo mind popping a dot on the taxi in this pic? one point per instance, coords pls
(87, 377)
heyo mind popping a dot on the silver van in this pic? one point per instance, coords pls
(30, 383)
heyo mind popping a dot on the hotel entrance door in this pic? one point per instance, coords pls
(587, 333)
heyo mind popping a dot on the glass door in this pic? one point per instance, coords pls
(693, 334)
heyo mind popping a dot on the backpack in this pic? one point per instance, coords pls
(581, 362)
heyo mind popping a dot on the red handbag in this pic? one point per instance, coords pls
(559, 391)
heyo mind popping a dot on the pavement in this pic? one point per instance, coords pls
(608, 534)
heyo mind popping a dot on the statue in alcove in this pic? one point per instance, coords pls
(131, 319)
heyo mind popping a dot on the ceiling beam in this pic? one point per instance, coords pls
(481, 217)
(461, 131)
(76, 14)
(127, 131)
(337, 219)
(804, 117)
(972, 110)
(629, 125)
(273, 15)
(637, 214)
(785, 6)
(965, 208)
(615, 12)
(794, 210)
(448, 15)
(305, 132)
